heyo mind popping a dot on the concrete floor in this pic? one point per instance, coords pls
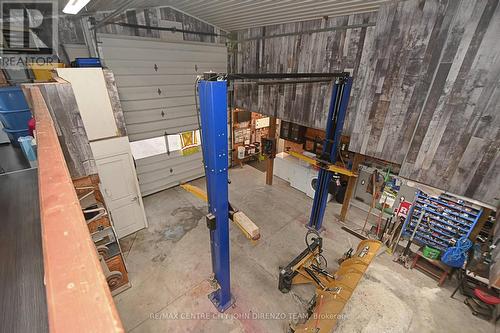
(169, 266)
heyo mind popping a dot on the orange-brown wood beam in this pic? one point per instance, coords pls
(78, 296)
(480, 224)
(358, 158)
(270, 160)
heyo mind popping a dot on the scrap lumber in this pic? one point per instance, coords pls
(246, 225)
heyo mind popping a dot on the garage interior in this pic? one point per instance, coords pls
(250, 166)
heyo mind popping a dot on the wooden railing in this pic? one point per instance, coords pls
(78, 297)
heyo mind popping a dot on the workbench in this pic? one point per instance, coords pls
(23, 305)
(434, 268)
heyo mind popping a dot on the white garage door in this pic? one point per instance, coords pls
(155, 81)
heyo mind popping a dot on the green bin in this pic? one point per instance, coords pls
(431, 253)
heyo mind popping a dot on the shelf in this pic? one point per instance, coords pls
(421, 228)
(425, 240)
(447, 233)
(441, 221)
(449, 206)
(439, 230)
(478, 210)
(248, 156)
(453, 213)
(443, 216)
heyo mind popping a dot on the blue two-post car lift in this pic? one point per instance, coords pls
(212, 92)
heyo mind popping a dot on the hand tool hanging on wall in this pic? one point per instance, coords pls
(404, 258)
(385, 229)
(397, 229)
(374, 198)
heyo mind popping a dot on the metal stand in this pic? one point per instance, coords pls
(213, 111)
(335, 122)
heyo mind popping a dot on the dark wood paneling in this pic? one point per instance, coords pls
(23, 306)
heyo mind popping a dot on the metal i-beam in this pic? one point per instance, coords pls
(213, 114)
(336, 115)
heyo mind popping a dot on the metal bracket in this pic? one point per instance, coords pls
(211, 225)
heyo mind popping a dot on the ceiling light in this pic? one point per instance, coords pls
(74, 6)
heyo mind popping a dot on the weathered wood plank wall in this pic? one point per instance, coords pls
(457, 139)
(70, 131)
(330, 51)
(109, 77)
(425, 93)
(396, 67)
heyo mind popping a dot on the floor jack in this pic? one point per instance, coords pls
(333, 290)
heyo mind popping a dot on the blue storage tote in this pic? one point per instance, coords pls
(14, 135)
(14, 110)
(28, 150)
(87, 62)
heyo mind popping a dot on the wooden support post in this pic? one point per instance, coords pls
(270, 160)
(480, 224)
(358, 158)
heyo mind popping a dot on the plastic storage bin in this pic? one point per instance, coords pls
(431, 253)
(27, 147)
(15, 120)
(14, 135)
(44, 72)
(86, 62)
(12, 98)
(14, 110)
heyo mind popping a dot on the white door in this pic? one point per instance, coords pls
(119, 185)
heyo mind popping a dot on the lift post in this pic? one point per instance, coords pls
(213, 114)
(336, 115)
(212, 91)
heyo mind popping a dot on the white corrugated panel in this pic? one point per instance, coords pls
(74, 51)
(163, 171)
(155, 81)
(233, 15)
